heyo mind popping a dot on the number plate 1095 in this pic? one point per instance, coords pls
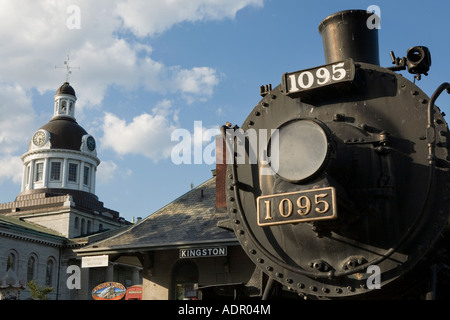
(294, 207)
(325, 75)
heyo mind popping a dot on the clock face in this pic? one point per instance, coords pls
(90, 143)
(39, 139)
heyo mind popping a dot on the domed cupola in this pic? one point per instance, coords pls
(66, 88)
(65, 99)
(61, 154)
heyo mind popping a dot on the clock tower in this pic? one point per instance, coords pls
(59, 176)
(61, 154)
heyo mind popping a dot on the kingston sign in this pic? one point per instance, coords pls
(203, 252)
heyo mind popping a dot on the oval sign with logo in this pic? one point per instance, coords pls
(109, 291)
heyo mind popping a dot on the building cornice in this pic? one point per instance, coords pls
(16, 236)
(61, 152)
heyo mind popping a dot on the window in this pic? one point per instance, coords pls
(73, 169)
(11, 262)
(31, 268)
(63, 106)
(77, 222)
(39, 171)
(86, 176)
(83, 227)
(49, 272)
(55, 171)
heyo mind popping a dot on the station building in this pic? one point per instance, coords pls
(185, 250)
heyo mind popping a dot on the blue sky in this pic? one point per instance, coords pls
(147, 68)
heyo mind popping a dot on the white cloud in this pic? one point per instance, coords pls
(15, 112)
(38, 39)
(11, 168)
(147, 134)
(106, 171)
(198, 81)
(148, 18)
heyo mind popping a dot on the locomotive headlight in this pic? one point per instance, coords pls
(303, 150)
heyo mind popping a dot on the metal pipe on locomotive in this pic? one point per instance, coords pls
(354, 175)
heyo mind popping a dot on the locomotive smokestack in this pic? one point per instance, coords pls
(348, 34)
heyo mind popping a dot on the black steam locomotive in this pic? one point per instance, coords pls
(338, 181)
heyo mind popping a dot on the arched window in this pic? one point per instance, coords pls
(31, 268)
(100, 227)
(49, 271)
(64, 107)
(77, 222)
(11, 262)
(89, 227)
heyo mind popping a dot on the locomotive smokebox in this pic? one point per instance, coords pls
(350, 34)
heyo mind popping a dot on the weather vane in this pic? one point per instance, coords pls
(68, 67)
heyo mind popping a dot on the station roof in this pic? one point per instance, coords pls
(191, 219)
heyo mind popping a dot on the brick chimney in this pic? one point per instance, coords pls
(221, 173)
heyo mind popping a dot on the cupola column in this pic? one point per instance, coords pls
(64, 173)
(45, 173)
(31, 183)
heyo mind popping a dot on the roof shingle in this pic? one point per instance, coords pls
(192, 218)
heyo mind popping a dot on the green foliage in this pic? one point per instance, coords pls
(38, 293)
